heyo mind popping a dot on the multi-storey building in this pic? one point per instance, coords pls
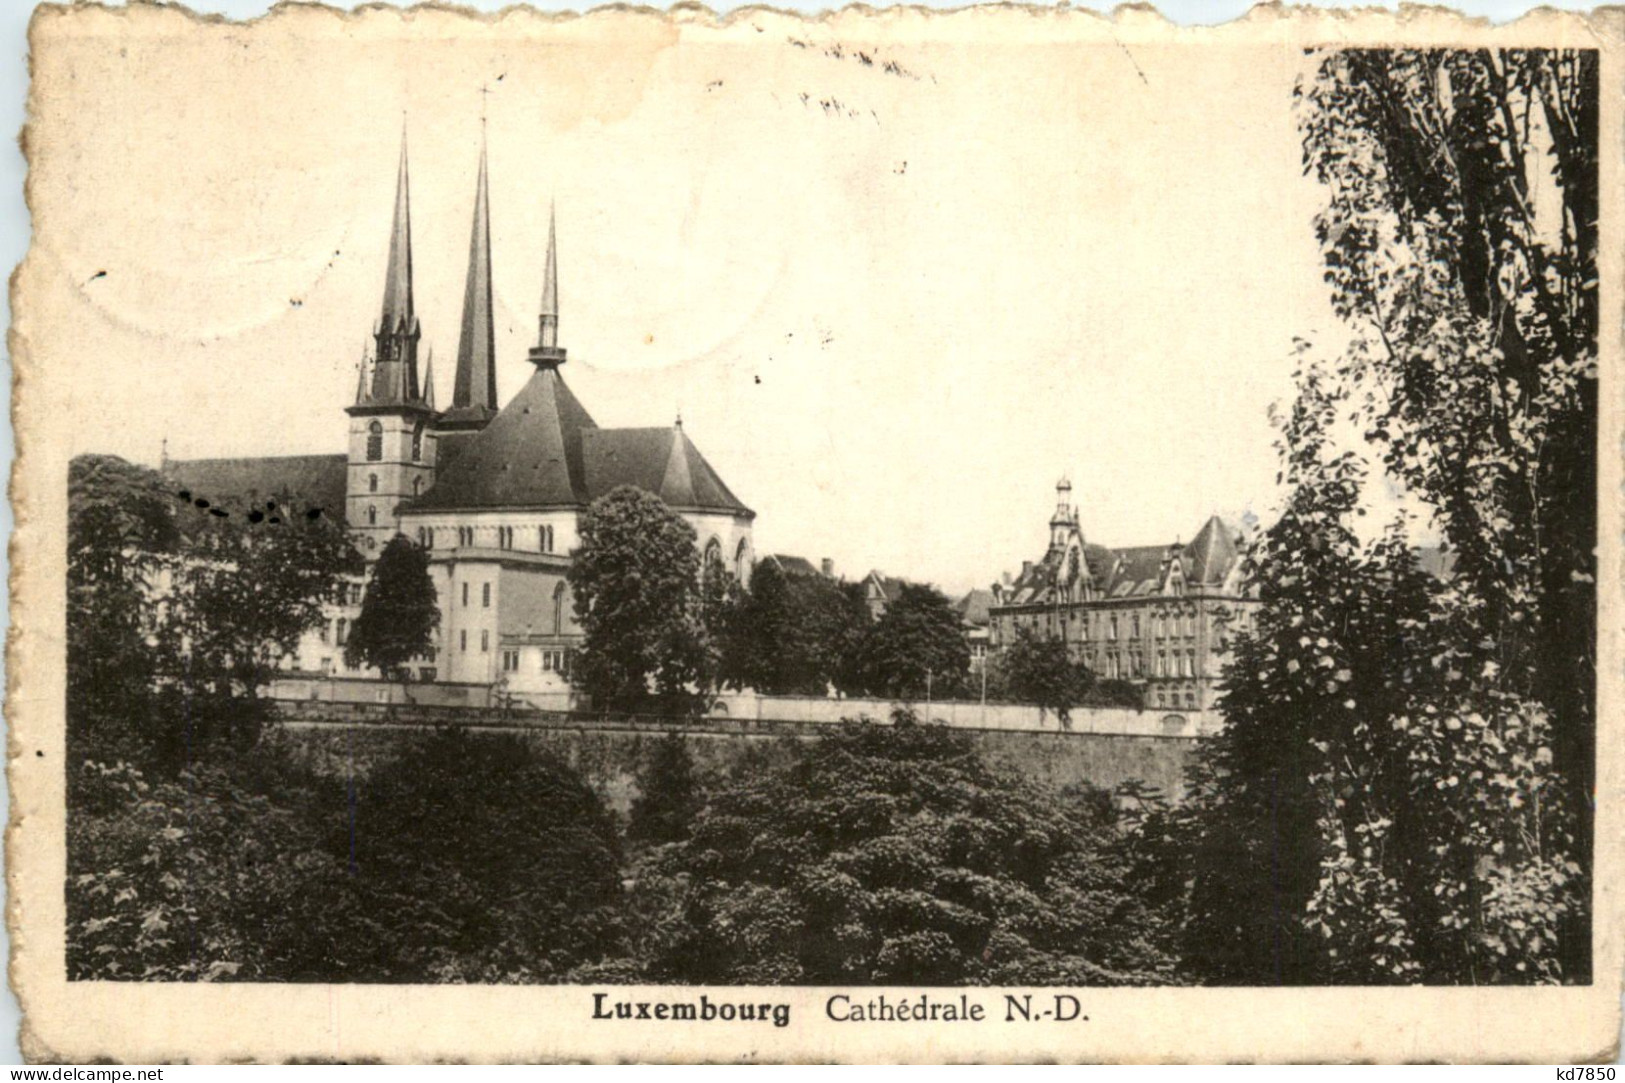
(1155, 615)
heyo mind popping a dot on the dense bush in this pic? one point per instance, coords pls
(462, 858)
(895, 854)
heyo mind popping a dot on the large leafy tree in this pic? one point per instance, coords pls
(248, 587)
(669, 794)
(1460, 244)
(399, 612)
(895, 855)
(916, 648)
(794, 633)
(1377, 808)
(638, 597)
(121, 532)
(1041, 671)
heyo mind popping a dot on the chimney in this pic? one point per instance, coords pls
(827, 567)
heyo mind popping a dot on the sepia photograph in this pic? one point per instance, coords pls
(770, 523)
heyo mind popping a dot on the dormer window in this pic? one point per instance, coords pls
(375, 442)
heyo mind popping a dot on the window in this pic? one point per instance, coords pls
(417, 442)
(372, 515)
(485, 596)
(375, 442)
(1112, 630)
(712, 558)
(372, 483)
(1135, 625)
(428, 674)
(544, 538)
(1162, 663)
(341, 632)
(510, 661)
(465, 595)
(742, 560)
(422, 538)
(462, 641)
(1190, 663)
(558, 608)
(417, 486)
(323, 633)
(505, 537)
(485, 640)
(327, 666)
(1190, 699)
(355, 593)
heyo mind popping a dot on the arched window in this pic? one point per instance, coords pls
(372, 483)
(417, 442)
(713, 557)
(417, 486)
(742, 560)
(558, 609)
(375, 442)
(372, 515)
(1112, 627)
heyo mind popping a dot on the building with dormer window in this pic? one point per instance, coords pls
(1155, 615)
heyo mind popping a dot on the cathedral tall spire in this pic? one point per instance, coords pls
(398, 276)
(547, 351)
(395, 365)
(476, 385)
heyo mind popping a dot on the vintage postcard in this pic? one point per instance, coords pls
(1009, 534)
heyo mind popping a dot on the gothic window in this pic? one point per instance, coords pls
(417, 442)
(558, 609)
(375, 442)
(742, 560)
(372, 515)
(372, 483)
(713, 557)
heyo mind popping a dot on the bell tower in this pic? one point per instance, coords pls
(391, 453)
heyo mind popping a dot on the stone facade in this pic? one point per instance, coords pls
(1157, 616)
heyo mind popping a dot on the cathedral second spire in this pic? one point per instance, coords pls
(476, 386)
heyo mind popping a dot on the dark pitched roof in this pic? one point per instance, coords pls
(791, 565)
(544, 450)
(1134, 571)
(450, 444)
(303, 481)
(1212, 553)
(528, 456)
(974, 606)
(663, 461)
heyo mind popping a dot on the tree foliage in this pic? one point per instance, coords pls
(917, 647)
(638, 598)
(461, 858)
(795, 634)
(895, 855)
(1460, 244)
(1378, 807)
(120, 531)
(399, 612)
(1041, 671)
(669, 794)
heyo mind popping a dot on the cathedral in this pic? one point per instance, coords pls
(492, 492)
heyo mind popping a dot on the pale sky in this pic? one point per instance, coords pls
(890, 324)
